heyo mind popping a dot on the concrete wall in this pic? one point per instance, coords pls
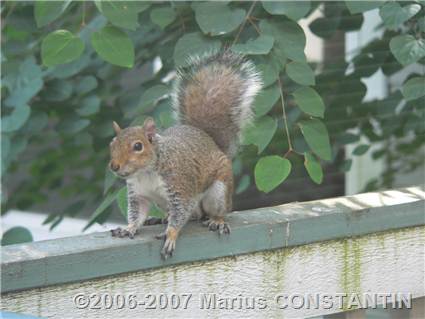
(311, 259)
(387, 262)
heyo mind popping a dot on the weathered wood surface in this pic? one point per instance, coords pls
(91, 256)
(391, 261)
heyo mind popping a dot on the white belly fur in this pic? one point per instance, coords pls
(152, 187)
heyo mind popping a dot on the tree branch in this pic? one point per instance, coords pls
(285, 120)
(244, 22)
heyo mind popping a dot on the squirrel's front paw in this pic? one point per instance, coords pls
(124, 232)
(170, 236)
(168, 249)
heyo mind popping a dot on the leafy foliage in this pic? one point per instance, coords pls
(270, 171)
(313, 168)
(16, 235)
(114, 46)
(70, 68)
(60, 47)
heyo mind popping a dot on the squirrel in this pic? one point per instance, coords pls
(187, 169)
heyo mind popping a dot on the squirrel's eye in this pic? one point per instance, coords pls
(137, 147)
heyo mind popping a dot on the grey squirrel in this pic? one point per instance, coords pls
(187, 169)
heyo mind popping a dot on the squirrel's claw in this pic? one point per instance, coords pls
(168, 249)
(123, 232)
(224, 229)
(169, 245)
(170, 235)
(217, 224)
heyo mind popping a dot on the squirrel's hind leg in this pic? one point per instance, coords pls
(217, 201)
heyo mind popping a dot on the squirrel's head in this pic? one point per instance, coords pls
(132, 149)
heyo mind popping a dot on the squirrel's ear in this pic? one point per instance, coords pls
(116, 127)
(150, 128)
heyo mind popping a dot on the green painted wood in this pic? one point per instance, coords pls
(95, 255)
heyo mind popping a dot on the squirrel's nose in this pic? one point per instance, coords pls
(114, 167)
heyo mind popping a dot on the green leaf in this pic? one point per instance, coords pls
(309, 101)
(110, 179)
(289, 37)
(269, 74)
(395, 15)
(60, 47)
(325, 27)
(24, 84)
(74, 124)
(5, 146)
(166, 118)
(86, 84)
(114, 46)
(361, 149)
(362, 6)
(216, 18)
(237, 166)
(37, 122)
(279, 57)
(266, 99)
(18, 145)
(152, 95)
(421, 24)
(15, 120)
(13, 33)
(350, 22)
(261, 133)
(88, 106)
(414, 88)
(407, 49)
(57, 90)
(49, 218)
(48, 11)
(270, 172)
(193, 44)
(123, 14)
(292, 9)
(59, 218)
(261, 45)
(75, 208)
(317, 137)
(243, 185)
(163, 16)
(348, 138)
(122, 201)
(313, 168)
(16, 235)
(301, 73)
(346, 165)
(156, 212)
(69, 69)
(107, 201)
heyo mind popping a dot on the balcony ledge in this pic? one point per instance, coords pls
(79, 258)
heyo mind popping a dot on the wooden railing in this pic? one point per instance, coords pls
(318, 258)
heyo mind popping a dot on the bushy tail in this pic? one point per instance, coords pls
(216, 95)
